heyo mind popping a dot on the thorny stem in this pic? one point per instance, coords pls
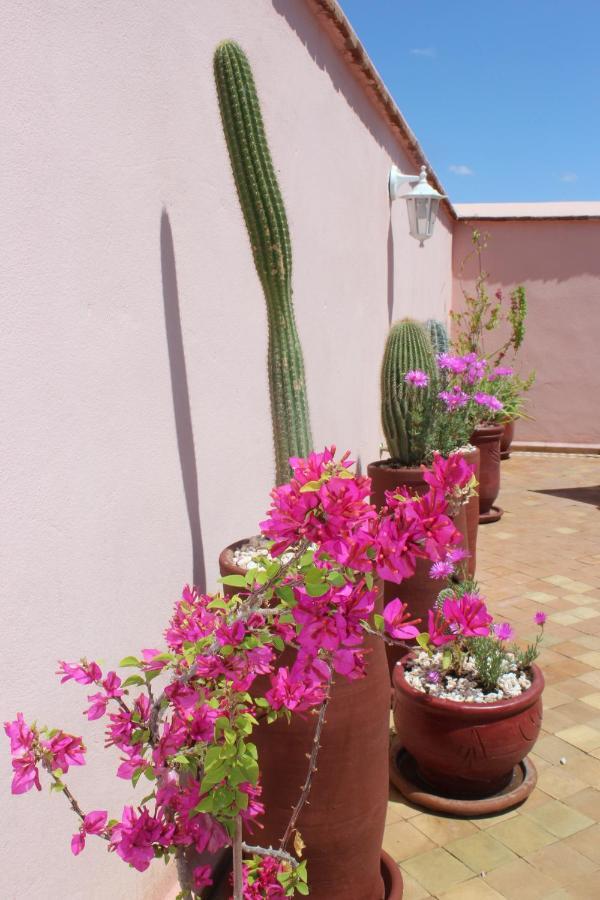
(271, 851)
(312, 768)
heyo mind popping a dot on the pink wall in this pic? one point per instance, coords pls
(137, 436)
(558, 261)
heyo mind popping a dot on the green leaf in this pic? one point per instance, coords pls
(336, 578)
(423, 639)
(310, 486)
(129, 661)
(302, 888)
(378, 622)
(219, 602)
(205, 805)
(286, 594)
(316, 589)
(133, 679)
(234, 580)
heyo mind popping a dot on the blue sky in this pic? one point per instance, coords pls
(503, 95)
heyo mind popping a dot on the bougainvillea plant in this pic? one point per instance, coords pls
(190, 742)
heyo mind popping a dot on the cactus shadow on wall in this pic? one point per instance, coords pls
(181, 398)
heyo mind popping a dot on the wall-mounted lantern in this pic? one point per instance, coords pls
(422, 202)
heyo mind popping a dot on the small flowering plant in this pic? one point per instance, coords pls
(465, 655)
(190, 742)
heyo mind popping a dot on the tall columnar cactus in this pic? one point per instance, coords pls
(438, 336)
(407, 410)
(266, 221)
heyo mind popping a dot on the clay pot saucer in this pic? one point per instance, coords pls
(404, 776)
(494, 515)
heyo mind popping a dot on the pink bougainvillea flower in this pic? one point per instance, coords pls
(488, 400)
(398, 622)
(417, 378)
(20, 734)
(540, 618)
(93, 823)
(134, 837)
(447, 474)
(202, 876)
(150, 662)
(66, 750)
(467, 616)
(504, 631)
(26, 774)
(86, 673)
(437, 627)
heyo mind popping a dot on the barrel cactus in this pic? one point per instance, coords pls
(266, 222)
(438, 336)
(407, 409)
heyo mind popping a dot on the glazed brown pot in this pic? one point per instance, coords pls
(508, 436)
(467, 749)
(419, 591)
(487, 439)
(342, 825)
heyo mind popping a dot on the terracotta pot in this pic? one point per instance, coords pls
(342, 825)
(419, 591)
(487, 439)
(390, 875)
(508, 436)
(467, 749)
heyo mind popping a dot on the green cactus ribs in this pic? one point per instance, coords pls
(406, 411)
(266, 222)
(438, 336)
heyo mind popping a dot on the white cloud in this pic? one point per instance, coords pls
(423, 51)
(461, 170)
(568, 177)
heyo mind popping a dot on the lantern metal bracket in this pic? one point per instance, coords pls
(398, 178)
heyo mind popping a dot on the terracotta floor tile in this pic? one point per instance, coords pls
(401, 841)
(520, 881)
(562, 863)
(586, 887)
(475, 889)
(522, 835)
(412, 889)
(437, 870)
(581, 736)
(480, 851)
(591, 658)
(559, 819)
(586, 801)
(559, 783)
(443, 829)
(587, 842)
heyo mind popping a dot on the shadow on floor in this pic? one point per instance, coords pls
(589, 495)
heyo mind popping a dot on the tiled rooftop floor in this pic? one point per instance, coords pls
(543, 554)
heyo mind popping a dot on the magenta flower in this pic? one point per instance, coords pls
(26, 774)
(86, 673)
(398, 622)
(20, 734)
(134, 836)
(441, 569)
(454, 398)
(447, 474)
(457, 554)
(417, 378)
(455, 364)
(500, 372)
(540, 618)
(488, 400)
(66, 750)
(93, 823)
(433, 677)
(202, 877)
(467, 616)
(504, 631)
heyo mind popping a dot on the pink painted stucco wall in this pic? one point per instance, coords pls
(558, 262)
(135, 419)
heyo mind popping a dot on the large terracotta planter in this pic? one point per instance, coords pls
(487, 439)
(508, 436)
(342, 826)
(419, 591)
(467, 750)
(390, 874)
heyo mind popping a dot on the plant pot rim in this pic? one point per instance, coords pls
(396, 466)
(226, 556)
(484, 711)
(490, 430)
